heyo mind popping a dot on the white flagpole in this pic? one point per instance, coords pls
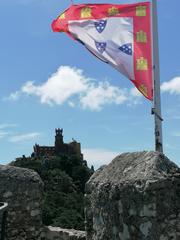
(156, 110)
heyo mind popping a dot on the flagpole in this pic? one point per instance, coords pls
(156, 110)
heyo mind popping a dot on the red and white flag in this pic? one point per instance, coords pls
(119, 35)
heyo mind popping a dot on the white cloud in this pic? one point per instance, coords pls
(24, 137)
(3, 134)
(71, 104)
(14, 96)
(172, 86)
(69, 85)
(3, 129)
(176, 134)
(103, 94)
(98, 157)
(63, 84)
(7, 125)
(135, 93)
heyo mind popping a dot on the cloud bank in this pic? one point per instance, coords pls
(3, 134)
(70, 85)
(24, 137)
(7, 132)
(98, 157)
(172, 86)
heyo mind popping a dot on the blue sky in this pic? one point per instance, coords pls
(49, 81)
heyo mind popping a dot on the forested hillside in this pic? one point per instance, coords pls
(64, 180)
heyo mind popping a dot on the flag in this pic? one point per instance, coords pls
(119, 35)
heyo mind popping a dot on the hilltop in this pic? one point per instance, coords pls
(64, 173)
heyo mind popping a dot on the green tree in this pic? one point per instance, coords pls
(64, 180)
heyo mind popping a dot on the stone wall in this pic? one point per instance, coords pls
(22, 190)
(56, 233)
(135, 197)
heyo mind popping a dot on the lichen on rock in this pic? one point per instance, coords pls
(135, 197)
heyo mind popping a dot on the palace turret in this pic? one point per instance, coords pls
(60, 148)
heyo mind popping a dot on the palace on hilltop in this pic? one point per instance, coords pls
(60, 148)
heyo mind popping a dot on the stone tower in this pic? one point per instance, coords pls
(59, 143)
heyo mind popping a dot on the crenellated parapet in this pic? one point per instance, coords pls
(135, 197)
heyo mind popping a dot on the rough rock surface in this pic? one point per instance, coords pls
(22, 190)
(56, 233)
(135, 197)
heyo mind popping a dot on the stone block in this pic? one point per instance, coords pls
(135, 197)
(22, 189)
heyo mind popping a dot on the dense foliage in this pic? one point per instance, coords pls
(64, 184)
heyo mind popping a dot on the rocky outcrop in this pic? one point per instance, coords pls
(135, 197)
(22, 190)
(54, 233)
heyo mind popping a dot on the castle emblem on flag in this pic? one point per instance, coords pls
(142, 64)
(113, 11)
(141, 11)
(141, 37)
(86, 12)
(119, 35)
(143, 89)
(126, 48)
(62, 16)
(100, 26)
(101, 46)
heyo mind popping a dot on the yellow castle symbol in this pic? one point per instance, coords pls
(142, 64)
(141, 37)
(86, 12)
(113, 11)
(62, 16)
(143, 89)
(141, 11)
